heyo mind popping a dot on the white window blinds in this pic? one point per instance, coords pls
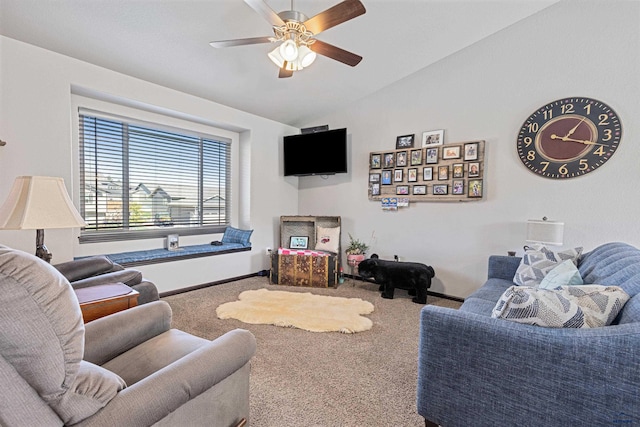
(135, 178)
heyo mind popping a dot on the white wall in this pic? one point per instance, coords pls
(587, 48)
(36, 120)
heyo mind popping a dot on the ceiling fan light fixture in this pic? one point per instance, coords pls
(306, 56)
(289, 50)
(276, 58)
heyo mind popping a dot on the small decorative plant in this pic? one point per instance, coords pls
(356, 246)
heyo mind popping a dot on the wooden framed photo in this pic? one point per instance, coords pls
(412, 175)
(386, 177)
(452, 152)
(389, 160)
(402, 189)
(416, 157)
(474, 170)
(376, 161)
(405, 141)
(475, 188)
(433, 137)
(471, 151)
(401, 158)
(443, 173)
(299, 242)
(440, 189)
(427, 174)
(458, 187)
(397, 175)
(374, 177)
(432, 155)
(420, 189)
(458, 170)
(375, 189)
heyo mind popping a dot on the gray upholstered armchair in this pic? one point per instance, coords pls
(129, 368)
(100, 270)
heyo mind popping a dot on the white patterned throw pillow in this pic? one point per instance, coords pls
(539, 260)
(328, 239)
(587, 306)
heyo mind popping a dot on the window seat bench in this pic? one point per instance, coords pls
(156, 256)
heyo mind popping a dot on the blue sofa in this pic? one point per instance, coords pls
(474, 370)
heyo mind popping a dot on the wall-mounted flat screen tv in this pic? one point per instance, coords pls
(319, 153)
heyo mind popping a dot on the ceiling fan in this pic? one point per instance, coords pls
(297, 34)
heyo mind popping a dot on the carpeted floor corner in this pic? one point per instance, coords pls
(301, 378)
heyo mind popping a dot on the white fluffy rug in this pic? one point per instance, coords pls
(315, 313)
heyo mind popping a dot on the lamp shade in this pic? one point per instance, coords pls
(544, 231)
(39, 202)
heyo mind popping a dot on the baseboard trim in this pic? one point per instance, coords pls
(206, 285)
(429, 293)
(264, 273)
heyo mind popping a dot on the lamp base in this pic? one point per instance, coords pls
(41, 250)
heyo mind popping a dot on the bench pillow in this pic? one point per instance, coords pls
(235, 235)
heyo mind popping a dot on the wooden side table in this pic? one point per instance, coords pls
(102, 300)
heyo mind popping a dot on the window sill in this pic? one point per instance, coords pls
(156, 256)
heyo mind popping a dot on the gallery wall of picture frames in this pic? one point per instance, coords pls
(450, 172)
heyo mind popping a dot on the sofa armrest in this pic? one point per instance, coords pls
(503, 267)
(476, 370)
(86, 267)
(129, 277)
(112, 335)
(151, 399)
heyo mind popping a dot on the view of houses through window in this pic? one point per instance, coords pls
(138, 178)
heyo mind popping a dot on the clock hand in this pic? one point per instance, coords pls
(574, 128)
(581, 141)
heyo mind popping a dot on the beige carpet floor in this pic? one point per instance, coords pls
(301, 378)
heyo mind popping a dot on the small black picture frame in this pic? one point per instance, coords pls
(386, 177)
(376, 161)
(405, 141)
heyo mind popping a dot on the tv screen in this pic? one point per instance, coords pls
(320, 153)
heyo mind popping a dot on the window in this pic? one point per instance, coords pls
(140, 180)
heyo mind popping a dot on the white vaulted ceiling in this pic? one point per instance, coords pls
(167, 42)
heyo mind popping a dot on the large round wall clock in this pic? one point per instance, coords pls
(569, 137)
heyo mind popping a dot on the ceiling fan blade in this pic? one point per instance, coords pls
(335, 15)
(284, 73)
(240, 42)
(336, 53)
(265, 11)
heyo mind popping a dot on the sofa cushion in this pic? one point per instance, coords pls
(42, 334)
(615, 263)
(236, 235)
(328, 239)
(539, 260)
(564, 274)
(586, 306)
(631, 312)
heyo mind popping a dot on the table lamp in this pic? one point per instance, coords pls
(545, 231)
(36, 203)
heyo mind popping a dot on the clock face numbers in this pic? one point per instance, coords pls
(569, 137)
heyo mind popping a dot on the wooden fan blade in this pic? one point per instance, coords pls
(336, 53)
(284, 73)
(335, 15)
(265, 11)
(240, 42)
